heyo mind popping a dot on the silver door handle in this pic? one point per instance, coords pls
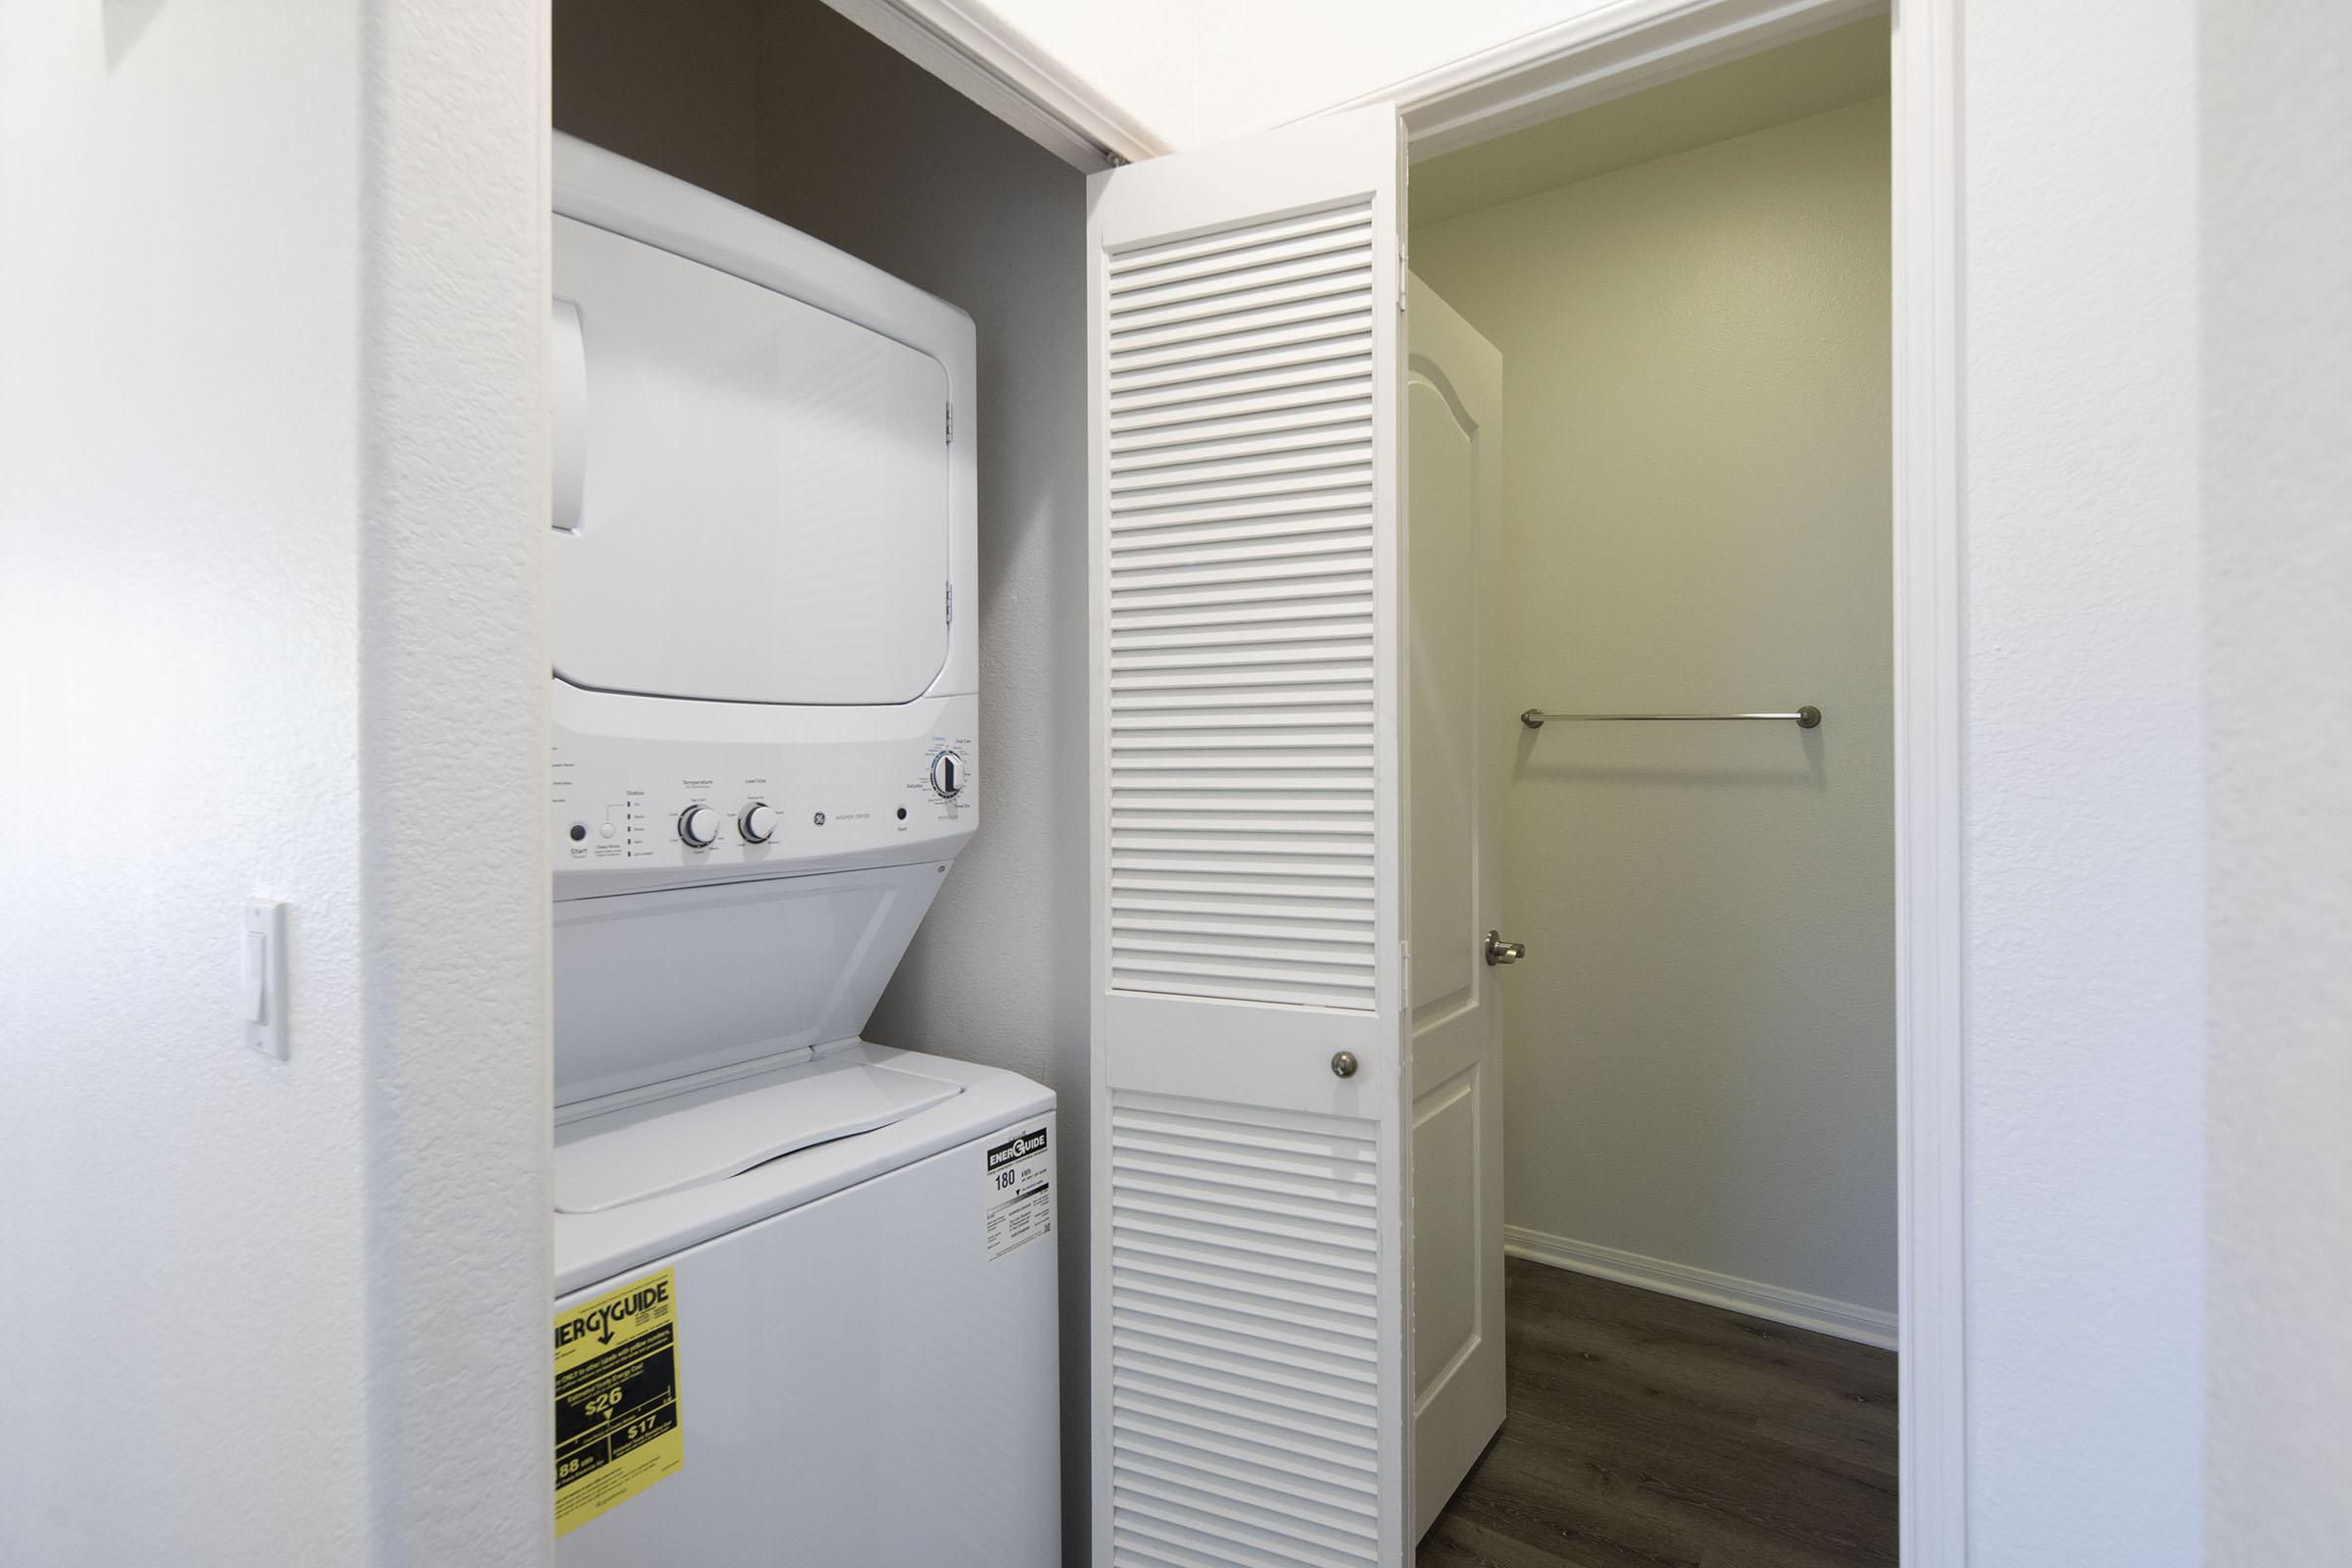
(1501, 951)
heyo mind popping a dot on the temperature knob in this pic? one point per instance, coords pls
(947, 775)
(698, 825)
(758, 822)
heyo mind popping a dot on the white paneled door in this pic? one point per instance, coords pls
(1253, 1393)
(1456, 738)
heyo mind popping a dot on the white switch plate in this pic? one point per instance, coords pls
(262, 976)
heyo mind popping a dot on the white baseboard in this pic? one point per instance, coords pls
(1797, 1308)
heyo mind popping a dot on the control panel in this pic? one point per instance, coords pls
(634, 807)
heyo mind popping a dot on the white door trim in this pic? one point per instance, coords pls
(1931, 1301)
(1590, 59)
(970, 49)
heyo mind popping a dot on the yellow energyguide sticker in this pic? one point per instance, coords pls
(616, 1399)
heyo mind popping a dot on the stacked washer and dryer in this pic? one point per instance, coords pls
(804, 1284)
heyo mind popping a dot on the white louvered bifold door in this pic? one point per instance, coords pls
(1249, 1241)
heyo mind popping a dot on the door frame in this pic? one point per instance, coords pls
(1622, 48)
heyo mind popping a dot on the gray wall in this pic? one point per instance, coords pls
(1697, 494)
(2277, 542)
(785, 107)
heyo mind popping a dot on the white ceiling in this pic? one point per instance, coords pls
(1196, 72)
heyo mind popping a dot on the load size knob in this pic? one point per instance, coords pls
(698, 825)
(947, 775)
(758, 823)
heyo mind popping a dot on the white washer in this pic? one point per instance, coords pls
(865, 1334)
(804, 1284)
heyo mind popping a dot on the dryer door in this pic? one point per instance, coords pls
(759, 511)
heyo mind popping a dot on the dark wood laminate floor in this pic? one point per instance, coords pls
(1647, 1431)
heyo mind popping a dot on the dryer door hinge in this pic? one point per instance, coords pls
(951, 424)
(951, 602)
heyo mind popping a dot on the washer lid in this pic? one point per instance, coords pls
(752, 493)
(707, 1134)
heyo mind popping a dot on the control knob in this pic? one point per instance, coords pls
(758, 822)
(947, 775)
(698, 825)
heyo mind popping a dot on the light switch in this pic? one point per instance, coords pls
(262, 977)
(252, 985)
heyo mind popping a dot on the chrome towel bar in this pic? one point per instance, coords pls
(1806, 718)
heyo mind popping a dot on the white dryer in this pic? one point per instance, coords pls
(804, 1284)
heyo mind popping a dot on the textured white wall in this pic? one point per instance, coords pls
(782, 105)
(269, 1313)
(453, 746)
(2083, 984)
(1697, 510)
(2277, 557)
(179, 600)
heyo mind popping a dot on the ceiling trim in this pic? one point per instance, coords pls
(1590, 59)
(974, 52)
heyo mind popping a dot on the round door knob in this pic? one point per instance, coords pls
(947, 775)
(698, 825)
(1343, 1064)
(758, 822)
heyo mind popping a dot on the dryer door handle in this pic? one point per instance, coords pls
(570, 364)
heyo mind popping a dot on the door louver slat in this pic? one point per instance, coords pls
(1239, 1415)
(1159, 261)
(1241, 605)
(1286, 430)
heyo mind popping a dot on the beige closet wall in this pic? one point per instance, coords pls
(1700, 1050)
